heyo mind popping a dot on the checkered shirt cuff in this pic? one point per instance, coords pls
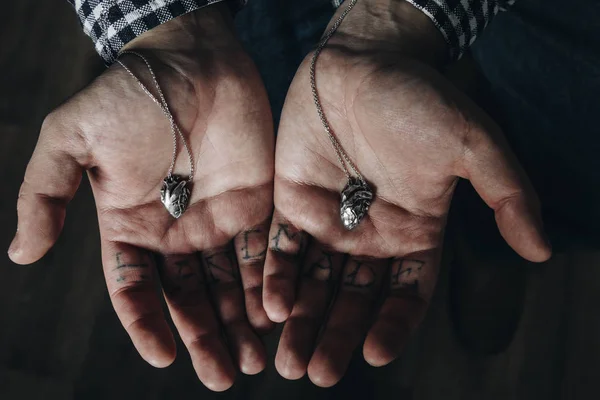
(459, 21)
(112, 23)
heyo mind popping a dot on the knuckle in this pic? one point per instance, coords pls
(132, 287)
(61, 133)
(142, 318)
(51, 121)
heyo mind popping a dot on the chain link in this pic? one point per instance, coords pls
(175, 131)
(342, 156)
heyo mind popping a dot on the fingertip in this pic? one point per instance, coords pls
(540, 254)
(278, 305)
(253, 368)
(155, 343)
(528, 243)
(382, 348)
(40, 225)
(375, 362)
(212, 361)
(161, 362)
(322, 377)
(277, 310)
(375, 355)
(17, 255)
(14, 251)
(545, 251)
(520, 224)
(289, 367)
(22, 258)
(547, 255)
(253, 358)
(159, 358)
(221, 385)
(328, 363)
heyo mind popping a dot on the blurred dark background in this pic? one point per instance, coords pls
(60, 339)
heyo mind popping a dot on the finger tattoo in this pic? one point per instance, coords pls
(322, 269)
(406, 274)
(130, 270)
(179, 276)
(253, 249)
(288, 240)
(221, 267)
(361, 276)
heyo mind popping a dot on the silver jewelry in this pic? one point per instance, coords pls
(175, 191)
(357, 195)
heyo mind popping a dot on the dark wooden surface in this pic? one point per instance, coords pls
(60, 339)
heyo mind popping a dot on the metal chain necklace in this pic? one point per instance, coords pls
(356, 195)
(175, 193)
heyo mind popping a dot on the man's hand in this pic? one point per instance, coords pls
(208, 262)
(412, 135)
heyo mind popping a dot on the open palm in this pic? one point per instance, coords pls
(113, 130)
(411, 135)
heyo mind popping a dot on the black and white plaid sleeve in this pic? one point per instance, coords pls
(112, 23)
(459, 21)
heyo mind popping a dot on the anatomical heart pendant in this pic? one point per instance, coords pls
(356, 199)
(175, 195)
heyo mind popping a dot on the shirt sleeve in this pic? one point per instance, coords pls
(459, 21)
(112, 23)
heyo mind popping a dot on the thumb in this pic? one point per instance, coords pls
(498, 178)
(51, 180)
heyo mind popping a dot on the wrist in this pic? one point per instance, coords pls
(393, 27)
(208, 28)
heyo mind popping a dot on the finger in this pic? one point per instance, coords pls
(500, 181)
(130, 274)
(350, 317)
(286, 250)
(411, 284)
(251, 250)
(221, 271)
(189, 304)
(51, 180)
(320, 272)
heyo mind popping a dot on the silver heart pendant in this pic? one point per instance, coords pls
(174, 195)
(356, 199)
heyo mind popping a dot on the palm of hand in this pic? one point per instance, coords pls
(122, 138)
(411, 135)
(378, 115)
(131, 148)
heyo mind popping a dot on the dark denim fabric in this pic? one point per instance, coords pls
(278, 35)
(542, 63)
